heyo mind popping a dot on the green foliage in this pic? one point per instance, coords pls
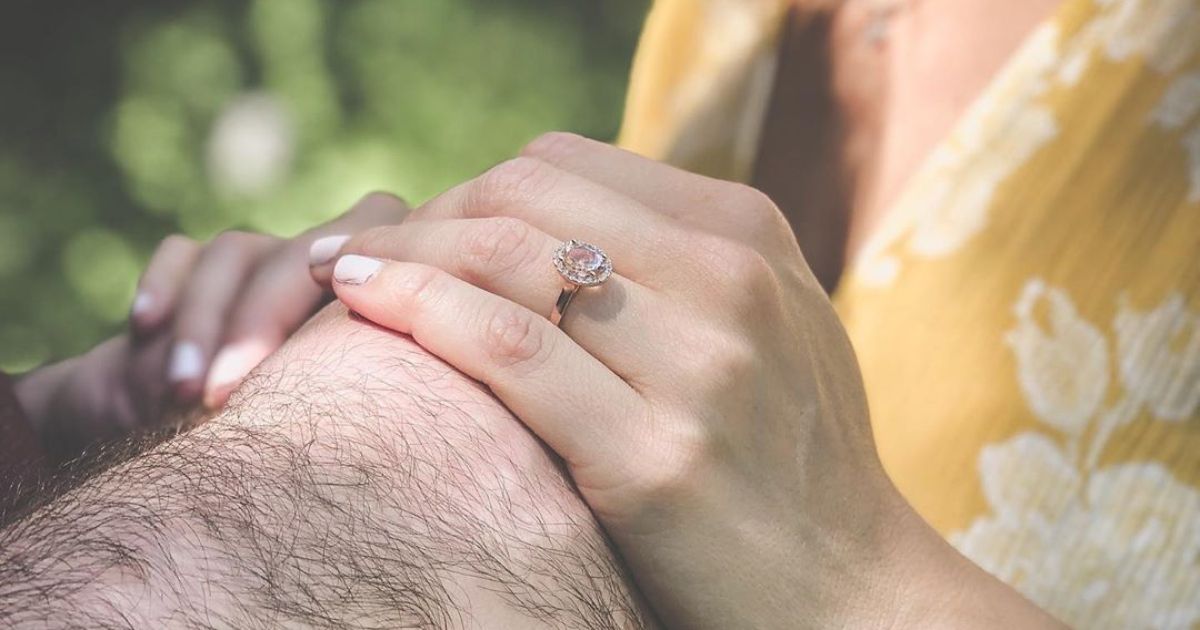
(129, 121)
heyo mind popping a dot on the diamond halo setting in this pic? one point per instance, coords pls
(582, 264)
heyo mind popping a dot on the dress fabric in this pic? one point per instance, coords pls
(1027, 317)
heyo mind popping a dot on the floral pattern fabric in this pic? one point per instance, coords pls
(1027, 317)
(1056, 516)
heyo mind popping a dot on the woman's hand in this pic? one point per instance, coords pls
(204, 317)
(705, 398)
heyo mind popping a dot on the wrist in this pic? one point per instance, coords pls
(921, 581)
(862, 571)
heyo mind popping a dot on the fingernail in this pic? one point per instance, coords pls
(143, 303)
(142, 311)
(230, 367)
(186, 363)
(325, 248)
(353, 269)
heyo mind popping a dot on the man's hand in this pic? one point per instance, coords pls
(703, 397)
(352, 481)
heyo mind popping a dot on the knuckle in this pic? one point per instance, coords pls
(232, 240)
(746, 266)
(512, 338)
(379, 198)
(736, 267)
(177, 242)
(519, 179)
(750, 199)
(554, 146)
(372, 240)
(173, 251)
(764, 221)
(495, 246)
(418, 288)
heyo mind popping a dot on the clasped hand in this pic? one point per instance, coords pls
(705, 399)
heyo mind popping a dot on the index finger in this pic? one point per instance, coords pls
(322, 243)
(375, 209)
(281, 294)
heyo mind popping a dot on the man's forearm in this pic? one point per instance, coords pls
(356, 482)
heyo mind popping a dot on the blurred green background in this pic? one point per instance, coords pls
(122, 122)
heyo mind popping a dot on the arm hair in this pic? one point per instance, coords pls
(360, 484)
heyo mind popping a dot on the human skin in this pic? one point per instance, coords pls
(204, 316)
(705, 398)
(353, 481)
(852, 116)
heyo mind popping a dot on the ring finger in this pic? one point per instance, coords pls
(514, 260)
(567, 206)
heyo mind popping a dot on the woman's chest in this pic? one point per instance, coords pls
(862, 95)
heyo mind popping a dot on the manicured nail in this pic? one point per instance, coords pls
(143, 303)
(142, 309)
(325, 248)
(230, 367)
(353, 269)
(187, 362)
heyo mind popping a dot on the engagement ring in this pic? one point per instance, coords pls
(581, 265)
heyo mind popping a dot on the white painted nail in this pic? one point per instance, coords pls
(187, 362)
(230, 367)
(353, 269)
(143, 303)
(325, 248)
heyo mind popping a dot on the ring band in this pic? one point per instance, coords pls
(564, 300)
(581, 265)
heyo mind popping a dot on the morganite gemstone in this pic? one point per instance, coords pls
(584, 259)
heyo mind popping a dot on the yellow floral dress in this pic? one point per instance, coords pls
(1027, 317)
